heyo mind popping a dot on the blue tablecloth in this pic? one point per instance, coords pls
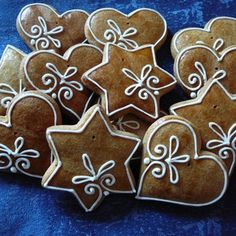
(28, 209)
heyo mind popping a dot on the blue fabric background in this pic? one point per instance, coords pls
(28, 209)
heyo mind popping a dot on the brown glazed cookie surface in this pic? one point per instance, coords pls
(10, 81)
(92, 159)
(141, 27)
(219, 33)
(213, 112)
(195, 65)
(23, 145)
(129, 82)
(60, 76)
(41, 27)
(175, 169)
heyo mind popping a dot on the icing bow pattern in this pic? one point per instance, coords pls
(122, 125)
(103, 179)
(115, 35)
(51, 79)
(21, 157)
(42, 37)
(226, 142)
(199, 79)
(217, 45)
(143, 84)
(166, 156)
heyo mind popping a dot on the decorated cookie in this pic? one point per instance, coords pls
(140, 27)
(129, 82)
(175, 169)
(41, 27)
(213, 112)
(92, 159)
(219, 33)
(10, 81)
(60, 76)
(195, 65)
(23, 144)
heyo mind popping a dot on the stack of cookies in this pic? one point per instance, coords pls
(84, 103)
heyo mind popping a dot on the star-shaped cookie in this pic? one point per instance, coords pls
(129, 81)
(92, 159)
(214, 113)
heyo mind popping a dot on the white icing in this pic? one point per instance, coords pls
(20, 156)
(116, 36)
(142, 92)
(226, 142)
(102, 179)
(199, 100)
(166, 156)
(159, 162)
(41, 36)
(91, 16)
(122, 124)
(218, 44)
(197, 80)
(97, 110)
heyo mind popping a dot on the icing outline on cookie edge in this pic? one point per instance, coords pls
(207, 28)
(41, 37)
(220, 74)
(128, 16)
(198, 100)
(78, 131)
(54, 79)
(196, 157)
(105, 61)
(8, 123)
(9, 91)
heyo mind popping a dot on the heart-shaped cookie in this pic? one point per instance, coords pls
(219, 33)
(23, 145)
(41, 27)
(140, 27)
(10, 81)
(195, 65)
(60, 76)
(174, 169)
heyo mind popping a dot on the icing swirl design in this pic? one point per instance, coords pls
(226, 142)
(41, 36)
(166, 156)
(103, 179)
(51, 80)
(217, 45)
(198, 79)
(21, 157)
(144, 83)
(115, 35)
(120, 124)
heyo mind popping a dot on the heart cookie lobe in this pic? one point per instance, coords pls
(23, 145)
(10, 81)
(60, 76)
(175, 169)
(140, 27)
(195, 65)
(41, 27)
(219, 33)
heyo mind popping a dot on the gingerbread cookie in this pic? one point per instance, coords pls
(219, 33)
(60, 76)
(10, 81)
(195, 65)
(141, 27)
(129, 82)
(23, 145)
(213, 112)
(175, 169)
(41, 27)
(92, 159)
